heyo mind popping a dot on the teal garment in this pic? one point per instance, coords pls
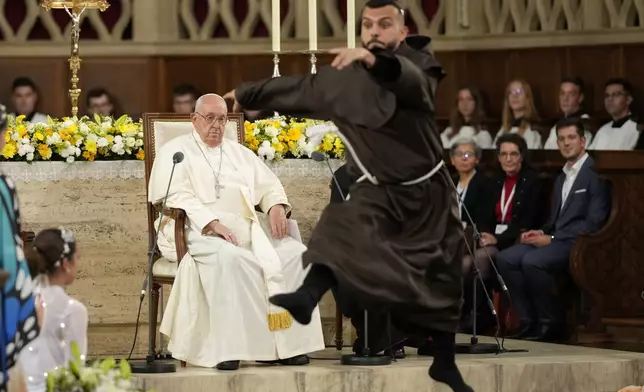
(17, 307)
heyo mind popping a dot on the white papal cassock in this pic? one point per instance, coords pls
(218, 308)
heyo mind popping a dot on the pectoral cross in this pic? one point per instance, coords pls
(218, 187)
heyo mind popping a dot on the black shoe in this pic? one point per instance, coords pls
(228, 365)
(297, 360)
(548, 333)
(525, 330)
(299, 304)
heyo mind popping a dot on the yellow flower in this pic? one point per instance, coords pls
(279, 147)
(89, 156)
(38, 136)
(22, 130)
(44, 151)
(110, 138)
(90, 146)
(7, 137)
(9, 150)
(326, 145)
(73, 128)
(294, 134)
(140, 155)
(49, 132)
(291, 145)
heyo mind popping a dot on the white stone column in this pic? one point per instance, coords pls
(464, 17)
(155, 22)
(593, 11)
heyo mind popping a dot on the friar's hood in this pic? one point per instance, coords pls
(417, 48)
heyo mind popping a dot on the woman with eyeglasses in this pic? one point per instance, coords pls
(467, 119)
(474, 190)
(520, 114)
(516, 191)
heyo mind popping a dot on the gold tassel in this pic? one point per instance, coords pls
(279, 321)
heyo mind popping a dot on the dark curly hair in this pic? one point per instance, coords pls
(49, 249)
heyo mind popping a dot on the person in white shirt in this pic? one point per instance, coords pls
(54, 259)
(24, 98)
(571, 98)
(581, 206)
(520, 114)
(621, 133)
(467, 120)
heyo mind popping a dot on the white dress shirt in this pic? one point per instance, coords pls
(571, 173)
(616, 135)
(532, 138)
(482, 138)
(551, 143)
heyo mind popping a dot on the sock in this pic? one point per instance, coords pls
(444, 368)
(301, 303)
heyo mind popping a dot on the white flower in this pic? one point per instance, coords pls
(92, 137)
(266, 151)
(25, 149)
(275, 140)
(107, 124)
(78, 151)
(30, 156)
(271, 131)
(53, 139)
(117, 148)
(84, 128)
(79, 141)
(102, 142)
(25, 140)
(118, 139)
(70, 159)
(130, 141)
(139, 135)
(67, 123)
(138, 143)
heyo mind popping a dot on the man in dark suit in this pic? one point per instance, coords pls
(581, 205)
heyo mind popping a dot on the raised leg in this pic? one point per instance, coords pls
(152, 330)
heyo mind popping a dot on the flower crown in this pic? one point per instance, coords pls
(3, 113)
(68, 239)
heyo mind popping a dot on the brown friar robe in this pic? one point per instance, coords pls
(393, 246)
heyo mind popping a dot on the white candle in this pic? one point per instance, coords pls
(351, 23)
(313, 25)
(276, 25)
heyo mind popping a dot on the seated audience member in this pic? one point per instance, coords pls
(621, 133)
(237, 257)
(571, 99)
(519, 114)
(474, 195)
(24, 98)
(516, 192)
(581, 205)
(54, 256)
(99, 101)
(467, 119)
(184, 98)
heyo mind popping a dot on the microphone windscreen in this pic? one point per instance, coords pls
(318, 156)
(177, 157)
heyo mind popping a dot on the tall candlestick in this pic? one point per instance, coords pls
(313, 25)
(351, 23)
(276, 25)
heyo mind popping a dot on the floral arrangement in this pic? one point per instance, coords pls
(285, 137)
(102, 376)
(73, 139)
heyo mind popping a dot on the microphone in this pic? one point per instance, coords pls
(320, 157)
(176, 158)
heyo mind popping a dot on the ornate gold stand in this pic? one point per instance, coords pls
(75, 8)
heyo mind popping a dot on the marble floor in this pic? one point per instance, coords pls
(544, 368)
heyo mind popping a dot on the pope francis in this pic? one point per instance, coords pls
(218, 311)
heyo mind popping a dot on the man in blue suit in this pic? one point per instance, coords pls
(581, 205)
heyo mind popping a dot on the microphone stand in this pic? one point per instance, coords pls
(151, 365)
(364, 358)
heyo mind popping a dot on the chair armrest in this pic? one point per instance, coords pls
(179, 217)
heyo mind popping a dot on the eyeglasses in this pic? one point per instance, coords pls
(513, 154)
(516, 92)
(211, 118)
(464, 154)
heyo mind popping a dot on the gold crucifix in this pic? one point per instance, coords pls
(75, 8)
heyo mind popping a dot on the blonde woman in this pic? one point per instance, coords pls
(467, 119)
(520, 114)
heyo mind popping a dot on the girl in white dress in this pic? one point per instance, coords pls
(54, 259)
(520, 114)
(467, 120)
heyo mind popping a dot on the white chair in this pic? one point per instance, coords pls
(158, 129)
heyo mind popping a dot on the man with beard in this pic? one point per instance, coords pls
(395, 245)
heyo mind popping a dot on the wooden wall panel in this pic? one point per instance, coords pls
(145, 84)
(132, 81)
(48, 73)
